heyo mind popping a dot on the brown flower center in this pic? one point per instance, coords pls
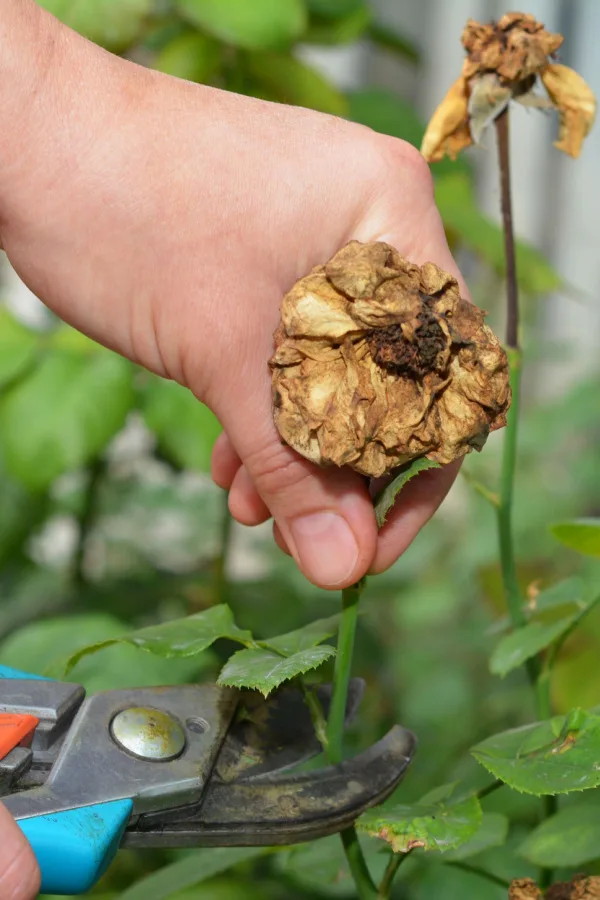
(394, 353)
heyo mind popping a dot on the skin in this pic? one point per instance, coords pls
(166, 220)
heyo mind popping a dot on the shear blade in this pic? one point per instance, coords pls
(269, 809)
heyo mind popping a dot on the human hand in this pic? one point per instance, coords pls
(19, 875)
(166, 220)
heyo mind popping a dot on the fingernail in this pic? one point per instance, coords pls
(326, 547)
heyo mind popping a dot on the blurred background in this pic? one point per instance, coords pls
(108, 518)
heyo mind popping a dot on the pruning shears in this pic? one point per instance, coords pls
(179, 766)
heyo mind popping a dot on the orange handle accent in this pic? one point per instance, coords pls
(16, 730)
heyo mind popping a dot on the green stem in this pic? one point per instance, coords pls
(316, 714)
(86, 519)
(385, 888)
(510, 581)
(335, 730)
(481, 873)
(220, 562)
(489, 789)
(341, 674)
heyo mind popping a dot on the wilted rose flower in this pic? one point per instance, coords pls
(504, 62)
(378, 361)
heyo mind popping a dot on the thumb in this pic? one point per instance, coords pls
(325, 516)
(19, 874)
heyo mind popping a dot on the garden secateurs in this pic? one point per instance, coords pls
(181, 766)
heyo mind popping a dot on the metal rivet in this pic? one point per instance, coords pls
(148, 733)
(197, 725)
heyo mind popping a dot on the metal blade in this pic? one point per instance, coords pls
(277, 809)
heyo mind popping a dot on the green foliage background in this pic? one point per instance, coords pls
(100, 534)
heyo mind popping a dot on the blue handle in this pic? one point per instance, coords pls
(73, 848)
(7, 672)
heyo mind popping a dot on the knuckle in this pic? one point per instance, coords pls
(400, 156)
(275, 469)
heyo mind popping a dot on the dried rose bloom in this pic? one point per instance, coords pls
(504, 62)
(378, 361)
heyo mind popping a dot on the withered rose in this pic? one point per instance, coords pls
(504, 61)
(378, 361)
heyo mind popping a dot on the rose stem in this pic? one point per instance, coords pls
(505, 531)
(335, 730)
(220, 561)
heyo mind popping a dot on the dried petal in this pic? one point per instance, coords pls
(576, 104)
(448, 129)
(489, 97)
(524, 889)
(378, 361)
(515, 48)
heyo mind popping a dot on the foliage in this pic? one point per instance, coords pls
(113, 540)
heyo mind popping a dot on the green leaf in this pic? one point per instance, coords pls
(342, 30)
(570, 838)
(431, 824)
(179, 638)
(259, 25)
(386, 498)
(63, 414)
(582, 535)
(553, 757)
(319, 868)
(192, 870)
(193, 56)
(291, 81)
(36, 647)
(18, 347)
(185, 429)
(492, 833)
(562, 593)
(114, 24)
(460, 213)
(303, 638)
(263, 670)
(334, 9)
(523, 643)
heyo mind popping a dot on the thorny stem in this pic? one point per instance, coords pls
(539, 682)
(392, 867)
(88, 514)
(335, 730)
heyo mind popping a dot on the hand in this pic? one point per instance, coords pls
(166, 220)
(19, 875)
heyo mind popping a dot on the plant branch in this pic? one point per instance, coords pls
(481, 873)
(396, 860)
(342, 670)
(316, 713)
(220, 562)
(335, 730)
(95, 473)
(512, 591)
(512, 290)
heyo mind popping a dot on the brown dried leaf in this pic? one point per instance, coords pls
(378, 361)
(524, 889)
(576, 104)
(582, 887)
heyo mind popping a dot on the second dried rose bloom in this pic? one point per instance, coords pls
(378, 361)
